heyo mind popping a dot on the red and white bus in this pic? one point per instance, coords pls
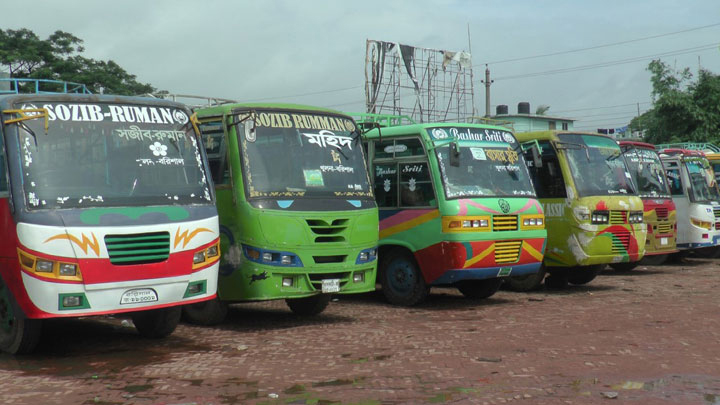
(105, 208)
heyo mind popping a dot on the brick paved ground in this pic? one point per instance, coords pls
(647, 337)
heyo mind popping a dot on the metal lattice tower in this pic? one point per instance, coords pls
(427, 85)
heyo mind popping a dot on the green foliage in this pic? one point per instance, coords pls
(683, 110)
(58, 57)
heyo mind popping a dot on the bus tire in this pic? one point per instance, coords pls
(624, 266)
(584, 274)
(479, 289)
(527, 282)
(308, 306)
(654, 260)
(17, 335)
(156, 323)
(211, 312)
(402, 282)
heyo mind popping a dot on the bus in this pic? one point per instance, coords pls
(106, 207)
(457, 207)
(593, 214)
(298, 220)
(653, 188)
(695, 194)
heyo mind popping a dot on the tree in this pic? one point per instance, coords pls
(682, 110)
(59, 58)
(542, 109)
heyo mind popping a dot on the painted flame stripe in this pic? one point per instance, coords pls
(185, 238)
(384, 233)
(83, 244)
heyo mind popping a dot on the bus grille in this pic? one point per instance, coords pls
(328, 232)
(139, 248)
(618, 217)
(664, 228)
(661, 212)
(620, 242)
(505, 223)
(716, 211)
(508, 251)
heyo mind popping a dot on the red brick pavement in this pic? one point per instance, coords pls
(649, 336)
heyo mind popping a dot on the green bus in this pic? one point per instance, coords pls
(457, 207)
(298, 220)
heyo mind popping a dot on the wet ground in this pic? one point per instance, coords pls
(649, 336)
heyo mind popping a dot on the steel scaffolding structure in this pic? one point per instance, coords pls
(427, 85)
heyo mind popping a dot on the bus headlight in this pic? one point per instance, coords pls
(67, 269)
(206, 256)
(600, 217)
(44, 266)
(635, 217)
(533, 221)
(465, 224)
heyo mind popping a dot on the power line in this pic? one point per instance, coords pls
(599, 46)
(600, 108)
(308, 94)
(611, 63)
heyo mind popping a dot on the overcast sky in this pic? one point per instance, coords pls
(282, 50)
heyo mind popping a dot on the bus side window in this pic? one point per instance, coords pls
(385, 180)
(415, 185)
(548, 179)
(214, 141)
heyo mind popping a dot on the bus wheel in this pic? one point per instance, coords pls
(624, 266)
(308, 306)
(156, 323)
(527, 282)
(479, 289)
(584, 274)
(654, 260)
(210, 312)
(17, 336)
(402, 282)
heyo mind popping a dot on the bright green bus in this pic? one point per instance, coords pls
(298, 219)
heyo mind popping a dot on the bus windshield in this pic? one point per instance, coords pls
(596, 164)
(90, 157)
(703, 187)
(484, 172)
(303, 155)
(647, 172)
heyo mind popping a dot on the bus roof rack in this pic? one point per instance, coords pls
(192, 101)
(706, 147)
(370, 120)
(40, 86)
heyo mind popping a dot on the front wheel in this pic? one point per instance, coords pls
(402, 281)
(584, 274)
(308, 306)
(157, 323)
(210, 312)
(17, 336)
(479, 289)
(624, 266)
(527, 282)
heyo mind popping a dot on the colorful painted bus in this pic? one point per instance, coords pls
(298, 219)
(653, 188)
(457, 207)
(105, 208)
(696, 196)
(593, 214)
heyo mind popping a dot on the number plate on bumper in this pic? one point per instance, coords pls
(331, 285)
(138, 295)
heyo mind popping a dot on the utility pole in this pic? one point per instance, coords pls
(487, 83)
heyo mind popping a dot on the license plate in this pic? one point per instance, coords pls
(663, 241)
(504, 271)
(138, 295)
(331, 285)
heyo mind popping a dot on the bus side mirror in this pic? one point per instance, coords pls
(454, 155)
(537, 160)
(250, 135)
